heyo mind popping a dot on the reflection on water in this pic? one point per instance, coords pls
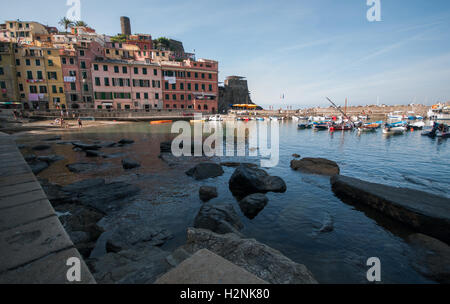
(291, 221)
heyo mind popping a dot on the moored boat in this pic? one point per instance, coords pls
(159, 122)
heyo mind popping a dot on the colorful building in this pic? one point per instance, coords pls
(190, 85)
(9, 93)
(121, 84)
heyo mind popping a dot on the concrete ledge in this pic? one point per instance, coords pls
(51, 269)
(206, 267)
(25, 214)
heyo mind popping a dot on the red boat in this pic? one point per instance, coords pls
(343, 127)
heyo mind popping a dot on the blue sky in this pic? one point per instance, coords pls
(304, 49)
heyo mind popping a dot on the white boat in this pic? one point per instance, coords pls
(394, 130)
(274, 118)
(295, 118)
(396, 115)
(216, 118)
(439, 112)
(418, 125)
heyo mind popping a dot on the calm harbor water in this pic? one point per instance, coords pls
(291, 221)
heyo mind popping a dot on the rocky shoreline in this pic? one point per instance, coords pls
(120, 246)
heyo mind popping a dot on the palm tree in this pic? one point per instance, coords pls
(81, 23)
(66, 23)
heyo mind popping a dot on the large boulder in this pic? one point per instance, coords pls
(205, 170)
(131, 266)
(253, 204)
(221, 218)
(259, 259)
(432, 257)
(247, 180)
(130, 164)
(424, 212)
(320, 166)
(207, 193)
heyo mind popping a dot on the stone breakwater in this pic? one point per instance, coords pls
(34, 246)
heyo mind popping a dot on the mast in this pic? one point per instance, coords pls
(342, 112)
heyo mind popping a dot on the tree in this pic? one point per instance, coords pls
(81, 23)
(66, 23)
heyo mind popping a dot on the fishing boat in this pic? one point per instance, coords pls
(395, 128)
(159, 122)
(215, 118)
(341, 127)
(418, 125)
(439, 112)
(321, 126)
(370, 127)
(304, 126)
(396, 115)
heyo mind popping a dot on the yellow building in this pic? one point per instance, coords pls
(25, 31)
(9, 94)
(40, 78)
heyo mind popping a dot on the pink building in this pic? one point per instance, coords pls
(76, 67)
(120, 84)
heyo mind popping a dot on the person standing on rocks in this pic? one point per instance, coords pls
(80, 124)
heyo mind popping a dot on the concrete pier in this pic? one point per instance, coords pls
(34, 247)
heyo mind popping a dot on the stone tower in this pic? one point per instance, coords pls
(125, 25)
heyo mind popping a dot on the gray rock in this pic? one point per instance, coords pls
(246, 180)
(50, 158)
(132, 266)
(130, 164)
(125, 142)
(205, 170)
(38, 166)
(165, 147)
(237, 164)
(253, 204)
(41, 147)
(424, 212)
(93, 153)
(316, 166)
(432, 257)
(30, 158)
(84, 184)
(54, 193)
(128, 234)
(207, 193)
(85, 167)
(327, 225)
(221, 218)
(295, 155)
(54, 138)
(259, 259)
(85, 146)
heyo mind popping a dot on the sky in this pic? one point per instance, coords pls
(304, 50)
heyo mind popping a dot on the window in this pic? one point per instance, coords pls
(39, 75)
(145, 95)
(124, 70)
(54, 90)
(182, 97)
(189, 97)
(189, 74)
(71, 61)
(203, 87)
(210, 76)
(136, 71)
(19, 74)
(33, 89)
(210, 87)
(107, 81)
(144, 71)
(2, 85)
(167, 97)
(174, 97)
(97, 81)
(196, 86)
(174, 86)
(95, 67)
(61, 90)
(84, 75)
(1, 71)
(116, 69)
(156, 96)
(42, 89)
(49, 52)
(21, 87)
(73, 86)
(203, 75)
(81, 53)
(138, 95)
(105, 68)
(86, 87)
(181, 86)
(27, 62)
(196, 75)
(83, 64)
(189, 86)
(52, 76)
(64, 60)
(166, 85)
(72, 73)
(29, 75)
(155, 72)
(17, 62)
(50, 62)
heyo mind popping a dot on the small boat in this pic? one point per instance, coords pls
(295, 118)
(392, 129)
(419, 125)
(321, 127)
(445, 134)
(341, 127)
(274, 118)
(304, 126)
(160, 122)
(260, 118)
(216, 118)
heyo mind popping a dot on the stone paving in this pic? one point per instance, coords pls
(34, 247)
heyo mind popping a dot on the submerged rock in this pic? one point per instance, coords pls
(205, 170)
(131, 266)
(257, 258)
(85, 167)
(93, 153)
(207, 193)
(316, 166)
(424, 212)
(125, 142)
(221, 218)
(327, 225)
(253, 204)
(432, 257)
(130, 164)
(38, 166)
(246, 180)
(84, 146)
(50, 158)
(41, 147)
(237, 164)
(54, 138)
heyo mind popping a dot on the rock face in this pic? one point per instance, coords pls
(207, 193)
(132, 266)
(220, 218)
(432, 257)
(253, 204)
(125, 142)
(130, 164)
(258, 259)
(205, 170)
(424, 212)
(316, 166)
(246, 180)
